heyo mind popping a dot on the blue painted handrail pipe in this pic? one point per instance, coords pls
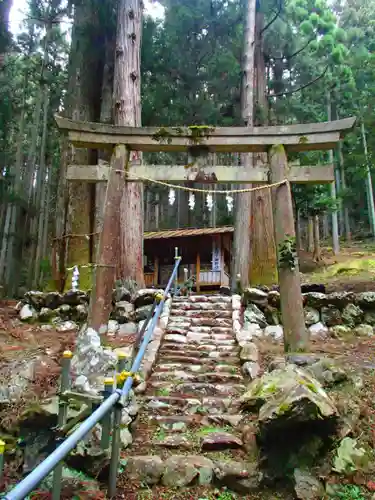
(27, 485)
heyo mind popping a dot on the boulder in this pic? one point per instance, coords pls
(225, 290)
(370, 318)
(45, 315)
(142, 312)
(241, 477)
(331, 316)
(307, 486)
(340, 331)
(218, 441)
(123, 312)
(365, 300)
(315, 299)
(249, 352)
(145, 297)
(53, 300)
(254, 296)
(121, 294)
(364, 330)
(36, 299)
(352, 315)
(272, 315)
(251, 369)
(340, 299)
(312, 316)
(274, 331)
(274, 298)
(127, 329)
(182, 470)
(286, 398)
(66, 326)
(75, 297)
(247, 333)
(328, 372)
(65, 311)
(80, 312)
(28, 313)
(318, 331)
(254, 315)
(144, 469)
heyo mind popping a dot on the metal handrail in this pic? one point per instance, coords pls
(26, 486)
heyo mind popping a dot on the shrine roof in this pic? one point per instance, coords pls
(181, 233)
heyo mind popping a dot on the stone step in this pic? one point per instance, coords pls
(214, 365)
(201, 389)
(210, 329)
(210, 313)
(210, 377)
(200, 306)
(204, 298)
(212, 351)
(214, 322)
(223, 404)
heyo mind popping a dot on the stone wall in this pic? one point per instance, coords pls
(337, 314)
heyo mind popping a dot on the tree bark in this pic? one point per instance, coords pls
(310, 234)
(317, 254)
(348, 234)
(369, 189)
(263, 262)
(127, 97)
(296, 338)
(241, 263)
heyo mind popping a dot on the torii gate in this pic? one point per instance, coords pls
(274, 140)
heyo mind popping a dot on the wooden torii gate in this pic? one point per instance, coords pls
(275, 140)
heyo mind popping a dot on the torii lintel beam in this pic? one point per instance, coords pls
(302, 137)
(320, 174)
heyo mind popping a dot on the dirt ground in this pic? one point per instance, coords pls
(21, 341)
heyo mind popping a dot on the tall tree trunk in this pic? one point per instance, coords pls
(317, 254)
(263, 268)
(348, 235)
(310, 234)
(127, 96)
(369, 190)
(241, 264)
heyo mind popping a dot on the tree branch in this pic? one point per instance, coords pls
(278, 12)
(297, 51)
(289, 92)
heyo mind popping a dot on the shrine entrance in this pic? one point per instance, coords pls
(199, 141)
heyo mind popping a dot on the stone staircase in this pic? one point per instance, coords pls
(189, 413)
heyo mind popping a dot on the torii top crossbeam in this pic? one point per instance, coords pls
(303, 137)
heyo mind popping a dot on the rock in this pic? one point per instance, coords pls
(247, 333)
(274, 331)
(66, 326)
(121, 293)
(350, 457)
(217, 441)
(46, 315)
(249, 352)
(79, 313)
(241, 477)
(65, 311)
(318, 331)
(251, 369)
(225, 290)
(127, 329)
(92, 361)
(254, 296)
(123, 312)
(272, 315)
(340, 331)
(53, 300)
(274, 298)
(174, 441)
(75, 297)
(112, 327)
(370, 318)
(328, 372)
(254, 315)
(315, 299)
(36, 299)
(365, 300)
(182, 470)
(312, 316)
(125, 437)
(352, 315)
(331, 316)
(302, 359)
(28, 313)
(15, 379)
(311, 287)
(145, 297)
(277, 363)
(307, 487)
(288, 397)
(142, 313)
(144, 469)
(364, 330)
(249, 440)
(340, 299)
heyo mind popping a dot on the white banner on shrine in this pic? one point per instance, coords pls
(216, 259)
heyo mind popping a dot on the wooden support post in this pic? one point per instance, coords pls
(156, 271)
(198, 272)
(222, 264)
(296, 338)
(108, 248)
